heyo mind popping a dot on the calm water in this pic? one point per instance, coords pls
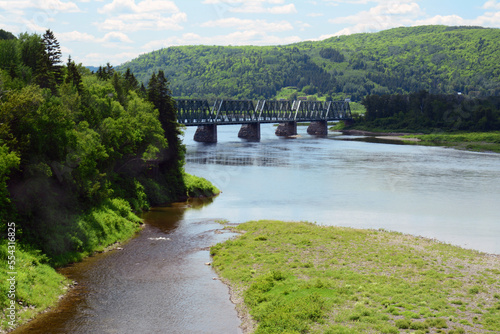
(159, 283)
(435, 192)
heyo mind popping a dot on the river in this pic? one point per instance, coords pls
(159, 282)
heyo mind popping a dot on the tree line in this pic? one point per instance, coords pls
(425, 112)
(79, 151)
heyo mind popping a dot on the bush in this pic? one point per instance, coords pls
(199, 187)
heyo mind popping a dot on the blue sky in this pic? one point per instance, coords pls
(95, 32)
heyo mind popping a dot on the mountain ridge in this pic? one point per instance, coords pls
(439, 59)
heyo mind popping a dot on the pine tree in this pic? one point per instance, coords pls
(53, 55)
(74, 77)
(48, 68)
(159, 94)
(130, 80)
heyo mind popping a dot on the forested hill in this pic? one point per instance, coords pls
(438, 59)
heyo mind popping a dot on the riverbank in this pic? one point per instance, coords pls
(38, 285)
(296, 277)
(471, 141)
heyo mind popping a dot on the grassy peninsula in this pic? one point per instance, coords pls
(304, 278)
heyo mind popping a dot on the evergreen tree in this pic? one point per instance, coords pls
(53, 55)
(48, 70)
(105, 73)
(131, 82)
(74, 77)
(171, 167)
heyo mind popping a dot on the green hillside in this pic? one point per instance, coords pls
(439, 59)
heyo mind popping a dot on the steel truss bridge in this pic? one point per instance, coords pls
(250, 114)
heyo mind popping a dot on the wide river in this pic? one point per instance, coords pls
(159, 282)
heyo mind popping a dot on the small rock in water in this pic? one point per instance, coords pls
(208, 263)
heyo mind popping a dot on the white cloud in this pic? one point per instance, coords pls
(385, 15)
(449, 20)
(145, 6)
(49, 6)
(253, 6)
(57, 6)
(116, 37)
(492, 4)
(75, 36)
(246, 37)
(246, 24)
(97, 59)
(126, 15)
(143, 21)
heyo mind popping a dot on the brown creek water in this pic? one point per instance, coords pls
(158, 283)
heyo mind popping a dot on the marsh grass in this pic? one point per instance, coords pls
(305, 278)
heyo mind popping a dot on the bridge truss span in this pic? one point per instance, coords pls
(250, 114)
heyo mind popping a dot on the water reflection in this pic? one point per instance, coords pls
(266, 157)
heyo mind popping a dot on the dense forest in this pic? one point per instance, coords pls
(424, 112)
(80, 154)
(439, 59)
(71, 141)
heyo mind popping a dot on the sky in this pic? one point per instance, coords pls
(95, 32)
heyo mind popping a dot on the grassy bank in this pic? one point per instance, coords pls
(198, 187)
(304, 278)
(475, 141)
(37, 284)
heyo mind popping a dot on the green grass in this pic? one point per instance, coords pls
(357, 108)
(305, 278)
(38, 285)
(198, 187)
(475, 141)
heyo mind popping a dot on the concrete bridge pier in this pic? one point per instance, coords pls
(318, 128)
(206, 133)
(287, 129)
(250, 131)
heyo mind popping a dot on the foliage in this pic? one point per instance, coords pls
(6, 35)
(79, 152)
(426, 112)
(300, 277)
(38, 285)
(8, 161)
(440, 59)
(199, 187)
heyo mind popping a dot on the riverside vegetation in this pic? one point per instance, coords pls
(80, 155)
(291, 277)
(444, 120)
